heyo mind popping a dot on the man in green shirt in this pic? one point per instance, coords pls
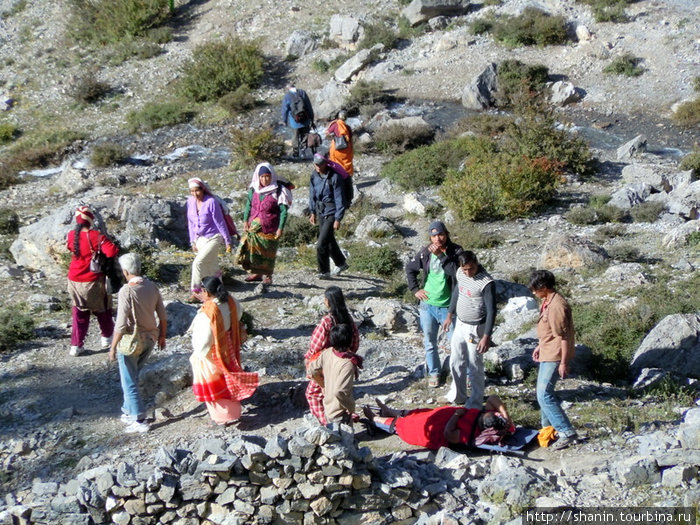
(438, 262)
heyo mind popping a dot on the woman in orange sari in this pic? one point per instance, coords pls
(338, 128)
(217, 376)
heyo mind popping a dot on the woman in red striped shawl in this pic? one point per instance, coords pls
(217, 334)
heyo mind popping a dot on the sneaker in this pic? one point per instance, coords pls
(340, 269)
(434, 381)
(323, 276)
(565, 442)
(75, 351)
(137, 427)
(105, 342)
(127, 419)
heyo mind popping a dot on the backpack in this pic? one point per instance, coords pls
(287, 184)
(298, 108)
(346, 180)
(230, 225)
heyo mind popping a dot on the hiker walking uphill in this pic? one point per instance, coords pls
(327, 206)
(298, 114)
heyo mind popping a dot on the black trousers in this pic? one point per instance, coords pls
(299, 140)
(327, 245)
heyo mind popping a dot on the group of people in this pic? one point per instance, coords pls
(457, 298)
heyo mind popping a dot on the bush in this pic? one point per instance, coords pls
(394, 139)
(688, 113)
(426, 166)
(691, 162)
(15, 327)
(624, 252)
(252, 146)
(473, 237)
(481, 26)
(532, 27)
(627, 65)
(647, 211)
(379, 33)
(298, 232)
(608, 10)
(154, 115)
(107, 21)
(610, 213)
(8, 132)
(381, 261)
(238, 101)
(217, 68)
(696, 84)
(87, 89)
(482, 124)
(515, 76)
(9, 222)
(141, 49)
(107, 154)
(581, 215)
(495, 185)
(693, 240)
(366, 93)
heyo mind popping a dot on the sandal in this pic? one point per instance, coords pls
(267, 279)
(253, 278)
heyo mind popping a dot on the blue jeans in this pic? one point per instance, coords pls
(129, 368)
(551, 412)
(431, 318)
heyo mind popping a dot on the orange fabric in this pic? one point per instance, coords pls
(343, 156)
(546, 436)
(226, 354)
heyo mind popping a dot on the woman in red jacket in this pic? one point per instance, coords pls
(86, 288)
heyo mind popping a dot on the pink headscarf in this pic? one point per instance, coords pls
(285, 196)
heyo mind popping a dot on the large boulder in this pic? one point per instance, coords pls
(563, 93)
(420, 11)
(481, 92)
(330, 99)
(631, 195)
(346, 30)
(563, 251)
(358, 62)
(389, 314)
(673, 345)
(372, 226)
(631, 148)
(678, 236)
(300, 43)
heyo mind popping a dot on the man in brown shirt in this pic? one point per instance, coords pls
(555, 330)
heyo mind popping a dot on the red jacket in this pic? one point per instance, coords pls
(79, 269)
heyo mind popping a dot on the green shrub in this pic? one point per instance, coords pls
(608, 10)
(366, 93)
(607, 232)
(379, 33)
(9, 221)
(599, 200)
(514, 76)
(107, 154)
(407, 31)
(693, 239)
(647, 211)
(627, 65)
(108, 21)
(160, 35)
(473, 237)
(320, 66)
(481, 26)
(127, 49)
(217, 68)
(394, 139)
(625, 252)
(426, 166)
(482, 124)
(696, 84)
(691, 162)
(15, 327)
(8, 132)
(532, 27)
(251, 146)
(298, 232)
(382, 261)
(16, 8)
(581, 215)
(610, 213)
(495, 185)
(238, 101)
(87, 89)
(688, 113)
(154, 115)
(35, 150)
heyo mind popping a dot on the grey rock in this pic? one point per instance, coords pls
(389, 314)
(346, 30)
(637, 470)
(331, 98)
(419, 204)
(629, 273)
(192, 488)
(564, 251)
(180, 316)
(628, 150)
(358, 62)
(481, 93)
(514, 357)
(582, 33)
(300, 43)
(372, 226)
(301, 448)
(276, 447)
(678, 476)
(44, 489)
(563, 93)
(631, 195)
(419, 11)
(677, 237)
(673, 345)
(126, 475)
(40, 301)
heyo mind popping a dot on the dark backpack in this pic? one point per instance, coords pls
(298, 108)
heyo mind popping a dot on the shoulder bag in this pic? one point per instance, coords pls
(98, 259)
(131, 344)
(340, 142)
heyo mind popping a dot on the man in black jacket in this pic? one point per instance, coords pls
(438, 261)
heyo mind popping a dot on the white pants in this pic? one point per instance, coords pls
(206, 263)
(466, 361)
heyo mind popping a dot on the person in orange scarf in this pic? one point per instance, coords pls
(217, 334)
(338, 128)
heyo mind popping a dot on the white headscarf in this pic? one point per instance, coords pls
(285, 195)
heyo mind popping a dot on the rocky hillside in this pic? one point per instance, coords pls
(64, 456)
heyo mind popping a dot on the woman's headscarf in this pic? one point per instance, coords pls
(84, 216)
(285, 195)
(196, 182)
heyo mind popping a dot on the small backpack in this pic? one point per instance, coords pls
(297, 108)
(346, 180)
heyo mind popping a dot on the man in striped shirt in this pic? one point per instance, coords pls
(474, 302)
